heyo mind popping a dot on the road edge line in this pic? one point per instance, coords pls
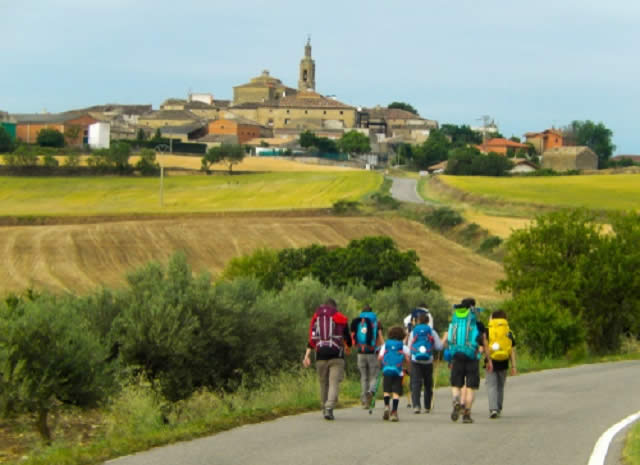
(599, 453)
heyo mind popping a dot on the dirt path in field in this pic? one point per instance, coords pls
(81, 257)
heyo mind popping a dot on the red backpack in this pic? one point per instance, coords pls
(326, 331)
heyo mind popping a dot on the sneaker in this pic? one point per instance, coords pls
(394, 415)
(493, 414)
(427, 410)
(328, 414)
(385, 415)
(416, 410)
(466, 417)
(456, 411)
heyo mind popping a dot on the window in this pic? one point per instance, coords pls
(306, 112)
(287, 112)
(340, 111)
(286, 120)
(324, 112)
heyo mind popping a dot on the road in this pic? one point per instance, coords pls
(551, 417)
(405, 190)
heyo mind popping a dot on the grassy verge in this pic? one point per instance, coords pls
(138, 419)
(631, 451)
(50, 196)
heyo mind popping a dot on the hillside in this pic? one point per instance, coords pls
(81, 257)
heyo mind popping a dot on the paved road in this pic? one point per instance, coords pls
(405, 190)
(552, 417)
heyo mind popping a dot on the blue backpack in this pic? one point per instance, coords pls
(463, 333)
(393, 358)
(422, 343)
(366, 333)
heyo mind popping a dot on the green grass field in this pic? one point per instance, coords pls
(599, 192)
(50, 196)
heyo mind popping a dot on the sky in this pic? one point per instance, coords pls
(529, 65)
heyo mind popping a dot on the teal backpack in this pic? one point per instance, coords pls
(366, 332)
(393, 358)
(463, 333)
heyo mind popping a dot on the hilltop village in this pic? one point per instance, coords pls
(268, 117)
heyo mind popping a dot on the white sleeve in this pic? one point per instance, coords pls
(407, 320)
(382, 351)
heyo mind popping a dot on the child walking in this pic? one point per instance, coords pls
(393, 355)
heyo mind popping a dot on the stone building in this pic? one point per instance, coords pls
(262, 89)
(545, 140)
(74, 126)
(570, 158)
(307, 79)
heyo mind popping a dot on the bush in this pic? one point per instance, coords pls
(345, 206)
(50, 161)
(544, 327)
(6, 143)
(49, 355)
(489, 244)
(385, 201)
(50, 138)
(147, 164)
(443, 218)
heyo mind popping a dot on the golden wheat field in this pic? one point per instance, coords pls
(82, 257)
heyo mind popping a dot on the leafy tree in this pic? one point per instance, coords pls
(354, 142)
(307, 139)
(157, 136)
(141, 135)
(49, 355)
(403, 106)
(434, 150)
(6, 143)
(326, 145)
(461, 135)
(50, 138)
(230, 154)
(595, 136)
(71, 133)
(565, 256)
(147, 164)
(461, 160)
(118, 156)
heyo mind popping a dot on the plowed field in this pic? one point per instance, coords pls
(81, 257)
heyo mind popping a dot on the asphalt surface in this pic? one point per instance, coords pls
(551, 417)
(405, 190)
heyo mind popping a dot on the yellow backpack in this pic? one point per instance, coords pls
(499, 340)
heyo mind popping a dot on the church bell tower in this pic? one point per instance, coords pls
(307, 79)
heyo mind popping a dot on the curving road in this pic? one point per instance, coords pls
(551, 418)
(405, 190)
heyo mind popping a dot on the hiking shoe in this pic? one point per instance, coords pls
(368, 398)
(455, 414)
(427, 410)
(493, 414)
(385, 415)
(416, 410)
(466, 416)
(328, 414)
(394, 415)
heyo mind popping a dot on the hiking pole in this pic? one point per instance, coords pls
(375, 392)
(436, 365)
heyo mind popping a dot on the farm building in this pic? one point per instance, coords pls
(570, 158)
(74, 125)
(545, 140)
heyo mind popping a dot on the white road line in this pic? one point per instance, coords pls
(599, 454)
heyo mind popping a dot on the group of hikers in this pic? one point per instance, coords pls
(411, 349)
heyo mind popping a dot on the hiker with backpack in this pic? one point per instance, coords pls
(423, 341)
(409, 322)
(329, 337)
(366, 334)
(465, 341)
(393, 355)
(502, 349)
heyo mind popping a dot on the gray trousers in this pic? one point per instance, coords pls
(495, 388)
(330, 374)
(369, 367)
